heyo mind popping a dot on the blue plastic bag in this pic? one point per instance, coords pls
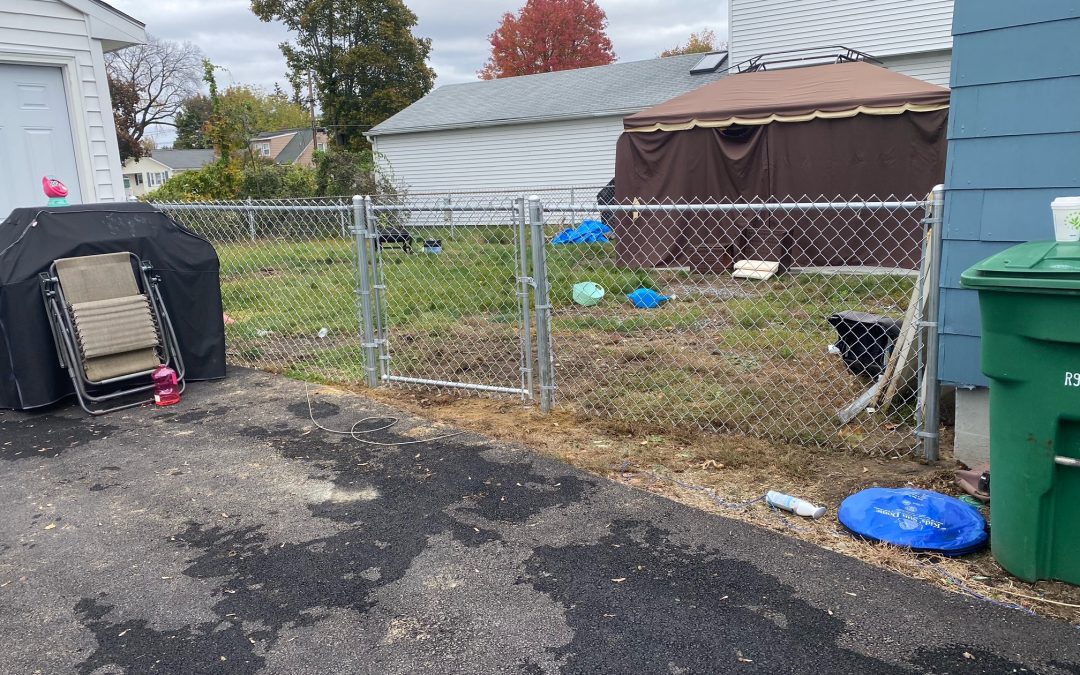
(920, 520)
(588, 232)
(646, 298)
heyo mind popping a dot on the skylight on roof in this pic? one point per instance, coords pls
(709, 63)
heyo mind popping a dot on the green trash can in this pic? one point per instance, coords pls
(1029, 296)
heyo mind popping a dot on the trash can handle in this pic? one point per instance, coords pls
(1067, 461)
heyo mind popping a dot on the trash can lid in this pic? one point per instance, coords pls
(1048, 265)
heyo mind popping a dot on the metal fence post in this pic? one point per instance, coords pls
(377, 287)
(524, 280)
(932, 404)
(363, 278)
(251, 220)
(544, 357)
(450, 213)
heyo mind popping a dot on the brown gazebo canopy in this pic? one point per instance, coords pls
(849, 130)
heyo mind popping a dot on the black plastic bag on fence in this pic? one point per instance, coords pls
(865, 341)
(606, 197)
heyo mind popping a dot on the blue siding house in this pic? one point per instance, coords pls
(1014, 145)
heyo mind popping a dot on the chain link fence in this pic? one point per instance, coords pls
(729, 317)
(288, 280)
(789, 319)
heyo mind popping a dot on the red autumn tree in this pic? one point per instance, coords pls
(549, 35)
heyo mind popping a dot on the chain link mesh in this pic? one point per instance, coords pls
(453, 295)
(288, 275)
(454, 274)
(750, 356)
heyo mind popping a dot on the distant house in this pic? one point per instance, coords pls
(288, 146)
(913, 37)
(545, 130)
(151, 172)
(55, 111)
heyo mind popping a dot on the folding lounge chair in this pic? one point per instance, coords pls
(110, 327)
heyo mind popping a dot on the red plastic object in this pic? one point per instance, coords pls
(54, 189)
(166, 389)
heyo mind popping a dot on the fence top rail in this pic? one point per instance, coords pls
(244, 206)
(736, 206)
(443, 208)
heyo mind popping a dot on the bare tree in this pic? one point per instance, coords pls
(164, 73)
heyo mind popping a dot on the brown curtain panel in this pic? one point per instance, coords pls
(864, 156)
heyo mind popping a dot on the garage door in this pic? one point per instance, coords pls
(35, 135)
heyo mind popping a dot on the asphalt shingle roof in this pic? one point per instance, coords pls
(619, 88)
(291, 152)
(184, 159)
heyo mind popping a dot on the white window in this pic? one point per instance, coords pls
(321, 147)
(157, 178)
(263, 149)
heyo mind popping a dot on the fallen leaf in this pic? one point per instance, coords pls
(619, 580)
(968, 655)
(50, 526)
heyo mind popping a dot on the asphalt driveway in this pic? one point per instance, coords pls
(227, 535)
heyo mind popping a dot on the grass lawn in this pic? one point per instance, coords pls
(724, 355)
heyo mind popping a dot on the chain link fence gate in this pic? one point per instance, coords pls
(450, 292)
(476, 292)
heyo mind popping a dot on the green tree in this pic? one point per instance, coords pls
(191, 123)
(698, 43)
(366, 62)
(240, 112)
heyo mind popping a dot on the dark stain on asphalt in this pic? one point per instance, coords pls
(320, 409)
(663, 607)
(132, 645)
(390, 501)
(961, 660)
(49, 436)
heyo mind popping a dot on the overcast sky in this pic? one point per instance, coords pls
(231, 36)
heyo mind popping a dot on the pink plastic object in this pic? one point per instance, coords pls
(54, 189)
(166, 389)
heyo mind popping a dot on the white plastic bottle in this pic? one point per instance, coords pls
(799, 507)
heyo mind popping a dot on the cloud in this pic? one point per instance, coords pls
(233, 38)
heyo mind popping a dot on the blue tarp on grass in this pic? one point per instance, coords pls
(588, 232)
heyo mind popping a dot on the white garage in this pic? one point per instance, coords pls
(55, 112)
(535, 131)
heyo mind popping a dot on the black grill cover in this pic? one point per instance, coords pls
(32, 238)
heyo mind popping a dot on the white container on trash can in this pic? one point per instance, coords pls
(1066, 218)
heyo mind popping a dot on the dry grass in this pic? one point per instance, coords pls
(714, 472)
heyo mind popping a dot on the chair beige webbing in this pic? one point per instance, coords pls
(96, 277)
(115, 328)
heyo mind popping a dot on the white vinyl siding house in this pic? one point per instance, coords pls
(913, 37)
(549, 130)
(58, 119)
(152, 171)
(569, 152)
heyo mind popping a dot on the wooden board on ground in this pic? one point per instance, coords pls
(755, 269)
(902, 369)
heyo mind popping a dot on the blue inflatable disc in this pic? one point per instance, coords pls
(921, 520)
